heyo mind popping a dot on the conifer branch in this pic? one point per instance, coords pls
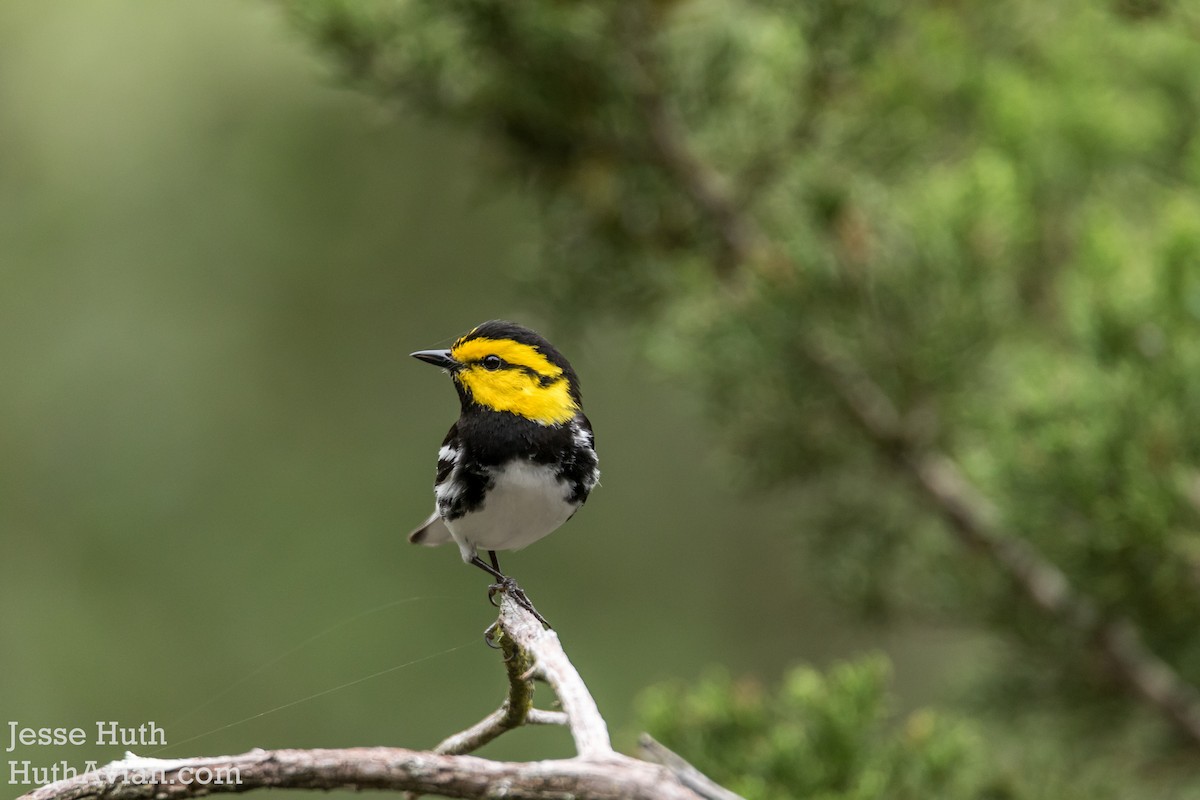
(974, 521)
(969, 515)
(739, 241)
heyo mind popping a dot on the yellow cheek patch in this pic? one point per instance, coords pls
(519, 392)
(516, 387)
(521, 355)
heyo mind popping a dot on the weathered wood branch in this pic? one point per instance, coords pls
(596, 773)
(371, 768)
(548, 662)
(516, 710)
(491, 726)
(694, 779)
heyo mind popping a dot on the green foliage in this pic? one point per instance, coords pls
(993, 212)
(821, 735)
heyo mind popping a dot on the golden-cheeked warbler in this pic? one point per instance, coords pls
(521, 458)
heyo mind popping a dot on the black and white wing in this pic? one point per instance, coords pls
(433, 531)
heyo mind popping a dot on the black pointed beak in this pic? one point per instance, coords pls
(439, 358)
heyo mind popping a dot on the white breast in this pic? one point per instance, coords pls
(526, 502)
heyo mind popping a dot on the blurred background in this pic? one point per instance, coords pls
(225, 225)
(216, 263)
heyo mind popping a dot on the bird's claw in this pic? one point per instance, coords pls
(510, 587)
(493, 589)
(489, 636)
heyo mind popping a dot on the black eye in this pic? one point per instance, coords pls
(492, 363)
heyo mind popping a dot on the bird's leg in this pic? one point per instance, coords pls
(506, 584)
(493, 571)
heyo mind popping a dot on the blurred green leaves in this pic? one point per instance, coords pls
(823, 735)
(991, 212)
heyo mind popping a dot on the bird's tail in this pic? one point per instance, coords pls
(432, 532)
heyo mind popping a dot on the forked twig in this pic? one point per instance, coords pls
(531, 652)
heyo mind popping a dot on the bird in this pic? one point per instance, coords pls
(520, 460)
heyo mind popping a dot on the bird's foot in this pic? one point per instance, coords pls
(489, 636)
(510, 587)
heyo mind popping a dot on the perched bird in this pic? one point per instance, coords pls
(521, 459)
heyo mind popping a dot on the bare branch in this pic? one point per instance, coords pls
(537, 716)
(516, 710)
(491, 726)
(548, 661)
(597, 773)
(371, 768)
(691, 777)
